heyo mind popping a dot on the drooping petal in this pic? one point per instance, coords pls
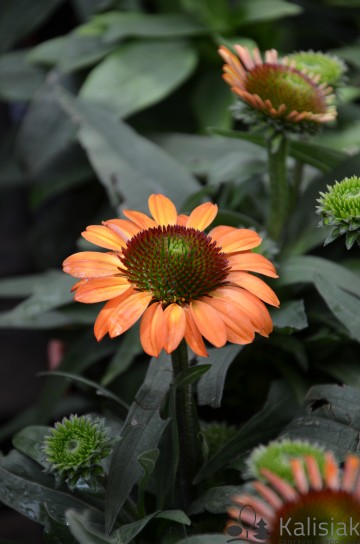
(152, 329)
(255, 285)
(281, 486)
(192, 335)
(162, 210)
(209, 322)
(101, 325)
(239, 328)
(100, 289)
(103, 237)
(91, 264)
(331, 472)
(127, 312)
(139, 218)
(202, 216)
(239, 240)
(252, 262)
(175, 324)
(123, 228)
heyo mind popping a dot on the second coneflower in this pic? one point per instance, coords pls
(277, 92)
(182, 282)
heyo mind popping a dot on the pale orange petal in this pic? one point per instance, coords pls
(218, 232)
(252, 262)
(175, 324)
(239, 240)
(152, 329)
(103, 237)
(254, 308)
(239, 328)
(202, 216)
(162, 210)
(182, 219)
(255, 285)
(140, 219)
(123, 228)
(100, 289)
(91, 264)
(209, 322)
(101, 325)
(127, 312)
(193, 336)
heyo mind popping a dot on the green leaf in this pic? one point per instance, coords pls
(323, 158)
(253, 11)
(190, 375)
(141, 432)
(277, 411)
(290, 316)
(19, 17)
(18, 79)
(25, 488)
(345, 307)
(48, 52)
(82, 531)
(216, 500)
(81, 51)
(144, 25)
(330, 418)
(212, 109)
(51, 294)
(146, 72)
(30, 440)
(129, 348)
(128, 532)
(130, 166)
(147, 460)
(175, 515)
(211, 386)
(23, 286)
(302, 269)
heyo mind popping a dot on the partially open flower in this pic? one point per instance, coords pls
(329, 68)
(276, 92)
(74, 450)
(183, 282)
(340, 209)
(316, 508)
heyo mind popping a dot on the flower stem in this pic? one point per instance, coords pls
(279, 187)
(187, 428)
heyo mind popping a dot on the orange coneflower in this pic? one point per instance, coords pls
(317, 508)
(277, 90)
(183, 282)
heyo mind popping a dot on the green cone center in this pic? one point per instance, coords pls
(174, 263)
(284, 85)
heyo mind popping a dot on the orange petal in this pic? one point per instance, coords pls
(202, 216)
(162, 210)
(103, 237)
(193, 336)
(252, 262)
(127, 312)
(140, 219)
(100, 289)
(255, 285)
(91, 264)
(152, 329)
(239, 240)
(253, 307)
(182, 219)
(239, 328)
(175, 325)
(123, 228)
(101, 324)
(218, 232)
(209, 322)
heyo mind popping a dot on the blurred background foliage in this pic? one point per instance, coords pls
(106, 101)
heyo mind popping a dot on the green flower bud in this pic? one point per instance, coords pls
(327, 68)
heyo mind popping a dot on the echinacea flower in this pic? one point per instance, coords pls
(74, 450)
(317, 508)
(339, 207)
(183, 282)
(329, 68)
(275, 91)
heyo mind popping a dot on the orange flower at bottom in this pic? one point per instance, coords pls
(183, 282)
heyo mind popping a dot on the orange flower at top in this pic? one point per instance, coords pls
(183, 282)
(276, 88)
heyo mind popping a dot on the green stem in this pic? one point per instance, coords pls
(279, 187)
(187, 427)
